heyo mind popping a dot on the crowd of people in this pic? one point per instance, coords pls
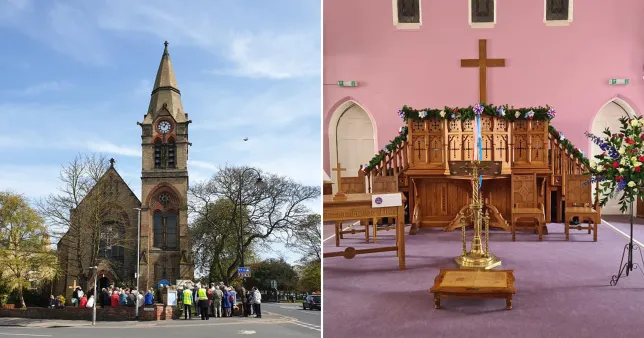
(217, 301)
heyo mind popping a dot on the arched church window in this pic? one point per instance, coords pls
(557, 10)
(166, 228)
(158, 229)
(408, 11)
(482, 11)
(172, 150)
(157, 153)
(112, 235)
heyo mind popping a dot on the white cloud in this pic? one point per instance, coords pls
(202, 165)
(270, 55)
(34, 181)
(51, 86)
(111, 148)
(254, 51)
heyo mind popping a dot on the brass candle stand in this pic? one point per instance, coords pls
(478, 257)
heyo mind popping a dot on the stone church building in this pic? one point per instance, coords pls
(165, 249)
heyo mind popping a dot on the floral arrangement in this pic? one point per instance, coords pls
(454, 113)
(618, 169)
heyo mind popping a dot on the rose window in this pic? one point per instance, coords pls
(164, 198)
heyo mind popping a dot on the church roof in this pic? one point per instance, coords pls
(165, 93)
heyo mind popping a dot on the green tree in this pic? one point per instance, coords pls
(269, 212)
(273, 269)
(214, 238)
(311, 277)
(25, 252)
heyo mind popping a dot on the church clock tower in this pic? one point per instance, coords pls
(166, 252)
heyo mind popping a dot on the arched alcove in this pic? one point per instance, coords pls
(351, 139)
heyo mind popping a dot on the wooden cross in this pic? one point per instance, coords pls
(521, 148)
(482, 63)
(420, 147)
(487, 147)
(436, 148)
(73, 287)
(340, 194)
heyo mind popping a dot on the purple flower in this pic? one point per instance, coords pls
(551, 113)
(401, 114)
(478, 109)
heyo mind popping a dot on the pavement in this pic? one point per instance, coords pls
(278, 320)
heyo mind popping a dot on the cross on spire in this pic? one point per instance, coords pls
(112, 162)
(166, 43)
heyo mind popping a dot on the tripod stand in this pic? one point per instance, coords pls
(628, 266)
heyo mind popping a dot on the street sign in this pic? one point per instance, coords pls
(618, 81)
(273, 284)
(243, 272)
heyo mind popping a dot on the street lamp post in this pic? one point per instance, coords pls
(138, 263)
(95, 268)
(258, 183)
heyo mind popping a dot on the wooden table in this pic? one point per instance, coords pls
(474, 284)
(357, 207)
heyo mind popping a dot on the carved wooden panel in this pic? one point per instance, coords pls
(354, 185)
(418, 127)
(578, 191)
(468, 126)
(468, 148)
(524, 190)
(384, 184)
(454, 147)
(487, 123)
(488, 147)
(454, 126)
(557, 10)
(442, 199)
(538, 149)
(436, 148)
(482, 11)
(530, 144)
(435, 126)
(419, 152)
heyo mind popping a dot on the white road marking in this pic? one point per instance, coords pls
(247, 332)
(307, 325)
(623, 233)
(25, 334)
(328, 238)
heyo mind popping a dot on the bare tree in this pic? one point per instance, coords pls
(85, 210)
(307, 238)
(275, 209)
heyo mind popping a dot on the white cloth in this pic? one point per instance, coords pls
(80, 294)
(257, 297)
(90, 302)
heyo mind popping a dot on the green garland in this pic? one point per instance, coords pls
(455, 113)
(402, 137)
(574, 151)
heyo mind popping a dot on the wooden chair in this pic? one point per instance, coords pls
(579, 203)
(352, 185)
(384, 185)
(525, 202)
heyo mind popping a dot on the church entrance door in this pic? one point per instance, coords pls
(608, 117)
(354, 142)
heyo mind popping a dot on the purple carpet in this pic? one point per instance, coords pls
(562, 288)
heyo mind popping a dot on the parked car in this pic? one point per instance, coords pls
(313, 302)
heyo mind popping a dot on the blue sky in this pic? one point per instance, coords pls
(77, 76)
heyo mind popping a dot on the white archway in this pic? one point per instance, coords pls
(608, 117)
(352, 140)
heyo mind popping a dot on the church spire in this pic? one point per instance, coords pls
(165, 93)
(165, 75)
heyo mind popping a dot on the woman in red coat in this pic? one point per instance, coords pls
(114, 300)
(83, 302)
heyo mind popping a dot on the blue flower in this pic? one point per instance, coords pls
(478, 109)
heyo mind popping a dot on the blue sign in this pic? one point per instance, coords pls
(163, 282)
(243, 272)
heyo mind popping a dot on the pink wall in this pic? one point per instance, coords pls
(565, 67)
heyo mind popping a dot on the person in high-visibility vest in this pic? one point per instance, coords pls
(202, 296)
(187, 303)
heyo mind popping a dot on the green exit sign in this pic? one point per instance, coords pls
(347, 83)
(618, 81)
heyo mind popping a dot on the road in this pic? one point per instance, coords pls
(278, 320)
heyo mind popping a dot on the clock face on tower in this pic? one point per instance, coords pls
(164, 127)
